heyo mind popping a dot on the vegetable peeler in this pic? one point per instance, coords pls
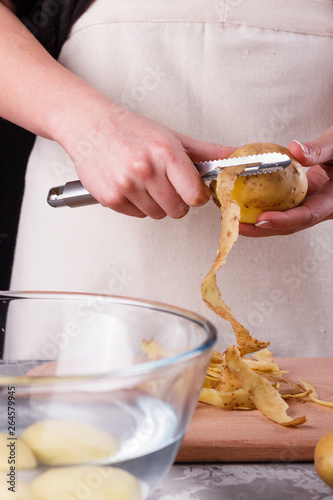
(73, 194)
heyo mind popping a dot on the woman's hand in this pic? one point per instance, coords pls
(318, 204)
(138, 167)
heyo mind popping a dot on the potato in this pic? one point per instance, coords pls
(23, 456)
(279, 190)
(60, 442)
(323, 458)
(93, 483)
(21, 490)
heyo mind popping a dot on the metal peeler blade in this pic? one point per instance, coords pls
(255, 164)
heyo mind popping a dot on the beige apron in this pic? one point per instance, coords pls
(230, 72)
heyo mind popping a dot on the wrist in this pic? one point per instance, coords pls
(79, 119)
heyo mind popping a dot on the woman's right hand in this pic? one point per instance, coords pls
(138, 167)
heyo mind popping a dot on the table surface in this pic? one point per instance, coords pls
(255, 481)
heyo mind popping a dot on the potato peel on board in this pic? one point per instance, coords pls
(313, 395)
(265, 397)
(238, 399)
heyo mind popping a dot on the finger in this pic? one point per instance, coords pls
(121, 205)
(317, 177)
(144, 202)
(168, 199)
(252, 231)
(157, 204)
(269, 227)
(184, 176)
(151, 192)
(202, 151)
(180, 172)
(187, 183)
(315, 209)
(198, 151)
(149, 189)
(315, 152)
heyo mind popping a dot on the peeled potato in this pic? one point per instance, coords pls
(323, 458)
(59, 442)
(22, 454)
(93, 483)
(21, 490)
(279, 190)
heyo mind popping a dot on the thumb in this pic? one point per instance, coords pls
(315, 152)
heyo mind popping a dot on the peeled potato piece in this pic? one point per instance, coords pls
(59, 442)
(323, 458)
(21, 490)
(93, 483)
(24, 458)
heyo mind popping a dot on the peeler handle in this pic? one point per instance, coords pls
(72, 194)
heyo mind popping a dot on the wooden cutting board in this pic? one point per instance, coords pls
(217, 435)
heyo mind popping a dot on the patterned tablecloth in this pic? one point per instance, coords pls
(275, 481)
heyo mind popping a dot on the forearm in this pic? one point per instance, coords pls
(36, 92)
(128, 162)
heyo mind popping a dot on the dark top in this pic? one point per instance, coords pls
(50, 20)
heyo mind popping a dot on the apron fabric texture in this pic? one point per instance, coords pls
(230, 72)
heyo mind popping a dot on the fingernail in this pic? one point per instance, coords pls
(302, 146)
(264, 224)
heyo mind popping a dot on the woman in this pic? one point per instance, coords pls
(136, 96)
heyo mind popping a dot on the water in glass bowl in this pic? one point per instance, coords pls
(146, 429)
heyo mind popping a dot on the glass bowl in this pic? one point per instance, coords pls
(96, 393)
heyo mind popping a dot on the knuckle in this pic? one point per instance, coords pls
(125, 183)
(316, 150)
(142, 170)
(314, 216)
(314, 219)
(216, 148)
(164, 152)
(114, 200)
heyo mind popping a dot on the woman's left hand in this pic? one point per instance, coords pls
(318, 203)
